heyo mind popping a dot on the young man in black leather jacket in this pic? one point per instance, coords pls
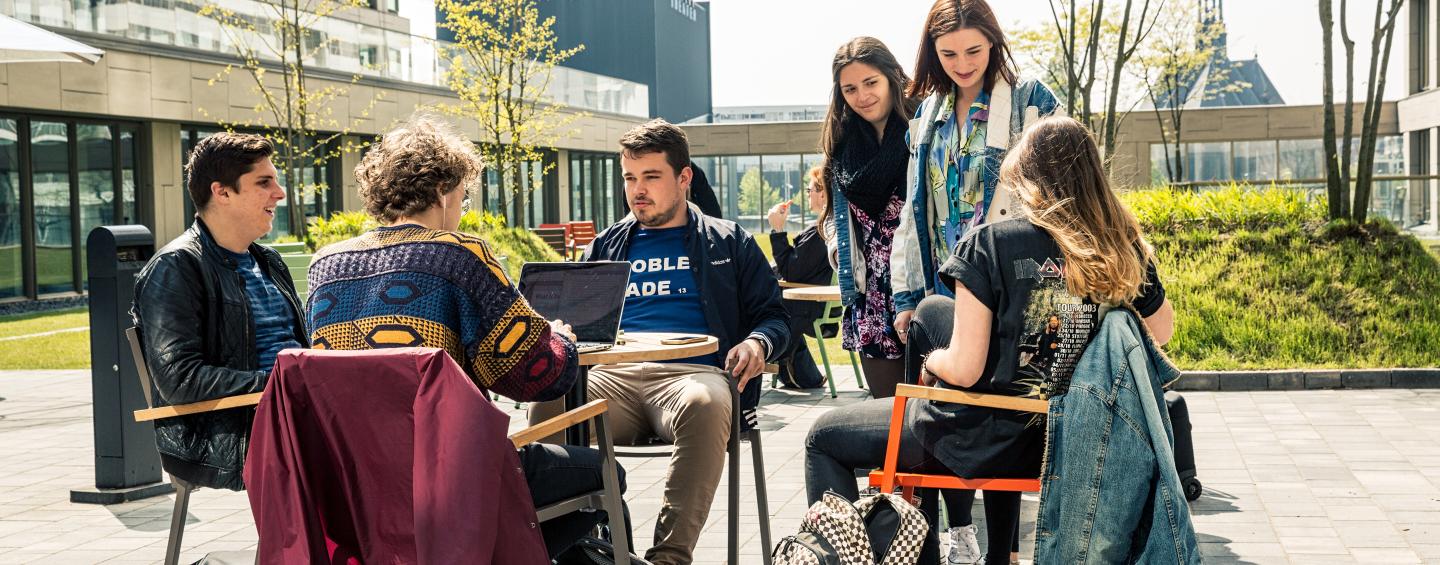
(213, 308)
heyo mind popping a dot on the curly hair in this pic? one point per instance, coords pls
(407, 170)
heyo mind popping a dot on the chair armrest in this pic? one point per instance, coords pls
(238, 401)
(974, 399)
(555, 425)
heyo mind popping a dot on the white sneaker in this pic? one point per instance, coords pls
(964, 548)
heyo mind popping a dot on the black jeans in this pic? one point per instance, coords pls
(930, 329)
(559, 472)
(853, 438)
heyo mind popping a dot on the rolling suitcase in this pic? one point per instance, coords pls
(1184, 445)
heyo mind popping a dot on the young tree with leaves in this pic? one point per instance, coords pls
(501, 67)
(291, 112)
(1077, 52)
(1337, 158)
(1176, 69)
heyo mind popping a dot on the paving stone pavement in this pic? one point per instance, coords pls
(1290, 477)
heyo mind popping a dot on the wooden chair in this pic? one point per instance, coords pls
(887, 478)
(581, 234)
(608, 499)
(151, 413)
(558, 238)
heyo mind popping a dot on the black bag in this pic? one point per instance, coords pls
(1184, 444)
(593, 551)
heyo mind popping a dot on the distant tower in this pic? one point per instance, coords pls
(1203, 90)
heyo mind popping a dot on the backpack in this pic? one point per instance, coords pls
(881, 529)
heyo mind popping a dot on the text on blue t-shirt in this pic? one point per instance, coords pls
(663, 296)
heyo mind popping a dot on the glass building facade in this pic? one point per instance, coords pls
(1298, 161)
(749, 185)
(60, 178)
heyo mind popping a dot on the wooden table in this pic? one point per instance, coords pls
(788, 284)
(813, 293)
(638, 347)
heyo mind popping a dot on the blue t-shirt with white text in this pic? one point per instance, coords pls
(663, 296)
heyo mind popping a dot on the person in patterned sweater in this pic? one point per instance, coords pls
(417, 282)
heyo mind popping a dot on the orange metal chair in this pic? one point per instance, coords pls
(581, 234)
(886, 479)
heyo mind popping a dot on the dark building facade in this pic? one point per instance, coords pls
(664, 44)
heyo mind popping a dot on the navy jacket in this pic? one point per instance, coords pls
(738, 291)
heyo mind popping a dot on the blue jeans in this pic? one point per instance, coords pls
(853, 438)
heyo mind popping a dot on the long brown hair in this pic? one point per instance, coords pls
(872, 52)
(817, 176)
(948, 16)
(1055, 171)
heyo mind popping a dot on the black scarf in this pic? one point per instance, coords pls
(869, 171)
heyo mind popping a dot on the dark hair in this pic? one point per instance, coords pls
(657, 136)
(817, 176)
(223, 158)
(948, 16)
(872, 52)
(405, 172)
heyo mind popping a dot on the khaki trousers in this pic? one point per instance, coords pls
(685, 405)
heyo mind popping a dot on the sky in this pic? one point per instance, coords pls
(777, 52)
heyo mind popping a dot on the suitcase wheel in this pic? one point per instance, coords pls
(1192, 489)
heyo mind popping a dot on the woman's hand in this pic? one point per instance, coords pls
(902, 325)
(778, 214)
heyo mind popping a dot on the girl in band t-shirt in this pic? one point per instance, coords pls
(1029, 296)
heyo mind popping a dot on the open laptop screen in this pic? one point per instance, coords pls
(589, 296)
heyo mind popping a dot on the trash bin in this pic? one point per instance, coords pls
(127, 465)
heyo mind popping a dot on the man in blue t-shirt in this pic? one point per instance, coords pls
(693, 274)
(214, 308)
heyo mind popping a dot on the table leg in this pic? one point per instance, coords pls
(578, 434)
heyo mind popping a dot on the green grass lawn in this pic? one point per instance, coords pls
(68, 350)
(1260, 281)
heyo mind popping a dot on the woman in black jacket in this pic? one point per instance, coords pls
(804, 262)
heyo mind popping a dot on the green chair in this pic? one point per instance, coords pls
(834, 314)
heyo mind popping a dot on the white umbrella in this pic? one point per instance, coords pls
(24, 43)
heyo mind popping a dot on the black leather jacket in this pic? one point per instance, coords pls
(199, 340)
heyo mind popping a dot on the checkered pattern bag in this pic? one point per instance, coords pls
(834, 533)
(909, 535)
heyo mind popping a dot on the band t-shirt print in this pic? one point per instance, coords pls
(1039, 330)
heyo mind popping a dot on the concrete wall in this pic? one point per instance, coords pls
(1131, 158)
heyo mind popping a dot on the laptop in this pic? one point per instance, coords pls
(590, 296)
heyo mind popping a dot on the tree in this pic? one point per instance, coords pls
(291, 112)
(1077, 51)
(1179, 66)
(756, 193)
(1338, 169)
(500, 68)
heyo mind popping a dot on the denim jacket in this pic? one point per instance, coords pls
(912, 265)
(1109, 492)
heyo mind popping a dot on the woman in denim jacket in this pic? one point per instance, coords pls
(975, 107)
(1030, 293)
(865, 160)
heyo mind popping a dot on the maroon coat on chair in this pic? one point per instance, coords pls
(385, 456)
